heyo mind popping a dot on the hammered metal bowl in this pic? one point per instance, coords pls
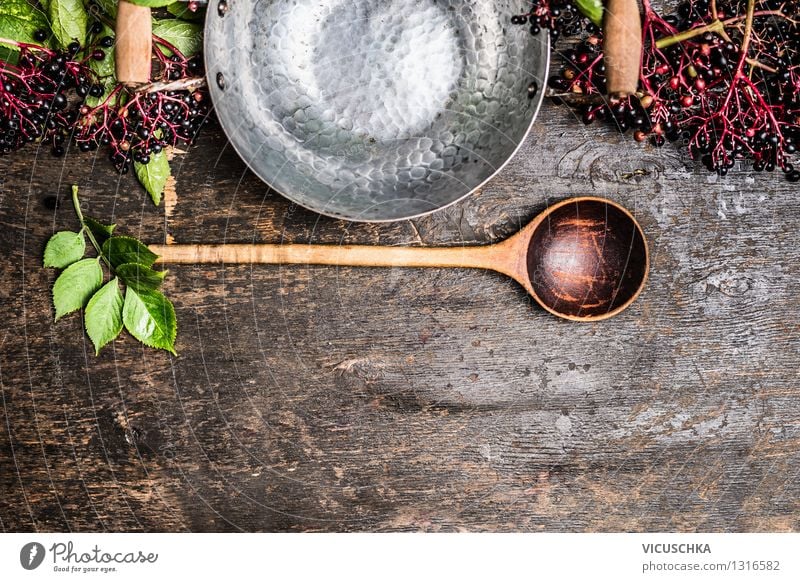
(374, 110)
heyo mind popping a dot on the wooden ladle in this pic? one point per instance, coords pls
(583, 259)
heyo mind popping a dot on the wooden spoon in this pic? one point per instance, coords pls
(583, 259)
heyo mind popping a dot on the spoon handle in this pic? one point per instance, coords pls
(480, 257)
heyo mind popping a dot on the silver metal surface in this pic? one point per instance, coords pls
(374, 110)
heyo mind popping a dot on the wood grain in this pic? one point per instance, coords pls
(340, 399)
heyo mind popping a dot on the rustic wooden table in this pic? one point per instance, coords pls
(339, 399)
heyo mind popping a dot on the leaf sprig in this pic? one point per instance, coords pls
(138, 306)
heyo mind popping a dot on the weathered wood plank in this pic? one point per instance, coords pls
(396, 399)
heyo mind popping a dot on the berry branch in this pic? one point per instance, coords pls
(722, 76)
(69, 95)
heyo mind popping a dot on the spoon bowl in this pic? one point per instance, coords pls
(583, 259)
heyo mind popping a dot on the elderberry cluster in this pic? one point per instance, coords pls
(559, 17)
(56, 97)
(36, 93)
(139, 124)
(728, 90)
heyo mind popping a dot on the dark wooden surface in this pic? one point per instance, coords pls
(341, 399)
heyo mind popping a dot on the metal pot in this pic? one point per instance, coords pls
(369, 110)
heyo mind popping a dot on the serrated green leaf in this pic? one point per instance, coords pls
(591, 9)
(19, 20)
(139, 277)
(181, 10)
(75, 285)
(68, 20)
(100, 231)
(187, 37)
(150, 318)
(108, 6)
(103, 318)
(152, 3)
(124, 249)
(153, 175)
(64, 248)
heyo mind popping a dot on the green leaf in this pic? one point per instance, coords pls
(8, 56)
(140, 278)
(105, 69)
(152, 3)
(187, 37)
(124, 249)
(153, 175)
(75, 285)
(150, 318)
(108, 6)
(68, 19)
(18, 21)
(103, 318)
(181, 10)
(64, 248)
(100, 231)
(591, 9)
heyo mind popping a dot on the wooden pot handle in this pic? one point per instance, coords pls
(134, 44)
(622, 45)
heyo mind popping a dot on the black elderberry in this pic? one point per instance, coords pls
(59, 101)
